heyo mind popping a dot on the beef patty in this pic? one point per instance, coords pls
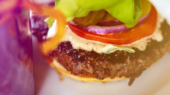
(91, 64)
(120, 63)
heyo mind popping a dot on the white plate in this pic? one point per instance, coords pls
(155, 80)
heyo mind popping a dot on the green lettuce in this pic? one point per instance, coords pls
(126, 11)
(111, 48)
(49, 21)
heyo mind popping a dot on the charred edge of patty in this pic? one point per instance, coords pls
(120, 63)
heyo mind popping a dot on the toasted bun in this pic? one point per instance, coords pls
(61, 70)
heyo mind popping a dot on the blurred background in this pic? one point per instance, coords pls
(23, 71)
(16, 52)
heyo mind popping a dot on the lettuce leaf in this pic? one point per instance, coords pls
(127, 11)
(49, 21)
(111, 48)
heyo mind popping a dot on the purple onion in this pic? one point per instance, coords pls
(107, 29)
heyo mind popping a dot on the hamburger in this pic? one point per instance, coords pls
(104, 40)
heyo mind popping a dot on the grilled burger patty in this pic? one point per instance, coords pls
(120, 63)
(91, 64)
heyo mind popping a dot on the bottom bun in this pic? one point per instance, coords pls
(61, 70)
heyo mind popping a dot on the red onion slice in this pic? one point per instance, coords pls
(107, 29)
(109, 23)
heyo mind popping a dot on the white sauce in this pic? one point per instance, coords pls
(81, 43)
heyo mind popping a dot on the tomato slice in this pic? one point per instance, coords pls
(127, 37)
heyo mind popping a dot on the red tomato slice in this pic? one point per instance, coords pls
(127, 37)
